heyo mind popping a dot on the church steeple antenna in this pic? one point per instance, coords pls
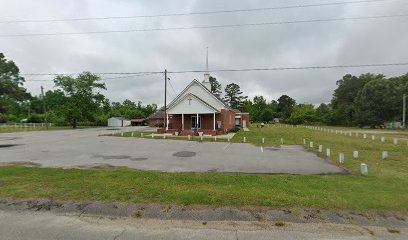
(206, 61)
(207, 73)
(206, 81)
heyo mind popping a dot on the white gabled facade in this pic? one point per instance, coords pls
(191, 104)
(195, 98)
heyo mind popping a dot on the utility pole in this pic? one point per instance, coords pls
(404, 99)
(45, 110)
(165, 100)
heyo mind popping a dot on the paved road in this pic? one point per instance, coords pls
(84, 148)
(46, 225)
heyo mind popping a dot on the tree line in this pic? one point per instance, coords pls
(365, 100)
(76, 100)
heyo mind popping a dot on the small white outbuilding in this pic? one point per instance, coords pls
(118, 122)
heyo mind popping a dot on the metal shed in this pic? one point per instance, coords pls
(118, 122)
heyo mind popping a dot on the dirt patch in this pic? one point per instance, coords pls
(119, 157)
(184, 154)
(271, 149)
(278, 217)
(97, 166)
(23, 164)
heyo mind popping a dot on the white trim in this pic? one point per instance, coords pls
(198, 120)
(202, 86)
(167, 121)
(205, 104)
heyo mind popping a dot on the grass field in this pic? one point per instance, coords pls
(385, 188)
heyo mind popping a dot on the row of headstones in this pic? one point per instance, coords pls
(363, 167)
(285, 125)
(350, 134)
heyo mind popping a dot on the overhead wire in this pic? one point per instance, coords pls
(193, 13)
(227, 70)
(209, 27)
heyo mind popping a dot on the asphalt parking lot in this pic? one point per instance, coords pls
(85, 149)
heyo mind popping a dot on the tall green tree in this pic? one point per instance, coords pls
(324, 113)
(82, 97)
(285, 106)
(303, 113)
(377, 103)
(11, 85)
(215, 86)
(258, 108)
(344, 97)
(233, 96)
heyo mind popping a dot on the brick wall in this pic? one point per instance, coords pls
(228, 120)
(156, 122)
(246, 118)
(175, 122)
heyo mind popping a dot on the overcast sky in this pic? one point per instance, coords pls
(288, 45)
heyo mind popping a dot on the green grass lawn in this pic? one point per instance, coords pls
(384, 189)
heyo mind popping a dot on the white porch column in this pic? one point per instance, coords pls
(214, 121)
(182, 121)
(167, 122)
(197, 121)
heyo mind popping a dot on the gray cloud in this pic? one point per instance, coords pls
(329, 43)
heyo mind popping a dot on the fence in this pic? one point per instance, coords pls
(25, 125)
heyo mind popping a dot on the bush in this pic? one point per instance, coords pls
(101, 120)
(35, 118)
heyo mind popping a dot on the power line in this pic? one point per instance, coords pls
(208, 27)
(294, 68)
(238, 69)
(192, 13)
(171, 85)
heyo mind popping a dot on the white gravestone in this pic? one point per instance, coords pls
(311, 144)
(320, 148)
(384, 155)
(328, 152)
(341, 158)
(355, 154)
(364, 169)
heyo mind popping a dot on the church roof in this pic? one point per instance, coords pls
(217, 98)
